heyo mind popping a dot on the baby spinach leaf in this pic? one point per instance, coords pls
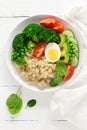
(31, 103)
(10, 99)
(16, 109)
(14, 102)
(61, 68)
(52, 83)
(57, 79)
(60, 72)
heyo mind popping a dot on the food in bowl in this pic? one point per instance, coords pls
(45, 53)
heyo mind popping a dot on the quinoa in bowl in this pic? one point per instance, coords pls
(37, 71)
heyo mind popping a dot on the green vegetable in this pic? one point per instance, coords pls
(14, 102)
(61, 68)
(74, 61)
(49, 35)
(64, 46)
(32, 31)
(57, 79)
(52, 83)
(9, 102)
(14, 55)
(74, 51)
(19, 53)
(21, 61)
(69, 48)
(16, 109)
(69, 33)
(31, 103)
(30, 44)
(60, 72)
(18, 41)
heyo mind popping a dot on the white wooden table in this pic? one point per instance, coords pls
(39, 117)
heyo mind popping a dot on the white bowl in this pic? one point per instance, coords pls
(18, 29)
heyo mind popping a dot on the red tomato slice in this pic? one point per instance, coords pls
(69, 72)
(59, 27)
(48, 22)
(39, 49)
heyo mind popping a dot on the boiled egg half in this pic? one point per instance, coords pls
(52, 52)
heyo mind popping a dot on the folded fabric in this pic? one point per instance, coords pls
(78, 17)
(71, 102)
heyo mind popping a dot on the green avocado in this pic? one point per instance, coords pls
(64, 47)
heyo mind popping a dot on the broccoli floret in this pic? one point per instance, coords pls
(49, 35)
(32, 31)
(30, 44)
(18, 41)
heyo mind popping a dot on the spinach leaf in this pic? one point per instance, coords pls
(16, 109)
(14, 102)
(57, 79)
(31, 103)
(60, 72)
(52, 83)
(61, 68)
(10, 99)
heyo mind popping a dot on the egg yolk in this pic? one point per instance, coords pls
(53, 54)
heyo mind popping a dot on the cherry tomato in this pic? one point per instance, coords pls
(69, 72)
(39, 49)
(59, 27)
(48, 22)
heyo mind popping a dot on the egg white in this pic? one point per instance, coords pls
(52, 46)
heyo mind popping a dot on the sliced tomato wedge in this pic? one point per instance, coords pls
(48, 22)
(59, 27)
(69, 72)
(51, 22)
(39, 50)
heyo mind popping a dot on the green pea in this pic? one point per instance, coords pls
(22, 53)
(70, 54)
(26, 49)
(17, 54)
(22, 50)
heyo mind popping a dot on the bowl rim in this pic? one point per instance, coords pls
(18, 78)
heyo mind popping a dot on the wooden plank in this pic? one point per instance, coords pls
(5, 76)
(6, 27)
(32, 7)
(37, 125)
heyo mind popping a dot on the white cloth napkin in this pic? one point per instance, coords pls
(72, 101)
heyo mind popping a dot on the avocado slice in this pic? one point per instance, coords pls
(64, 53)
(64, 47)
(62, 38)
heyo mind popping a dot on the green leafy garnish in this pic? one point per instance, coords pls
(31, 103)
(14, 102)
(21, 61)
(60, 72)
(57, 79)
(61, 68)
